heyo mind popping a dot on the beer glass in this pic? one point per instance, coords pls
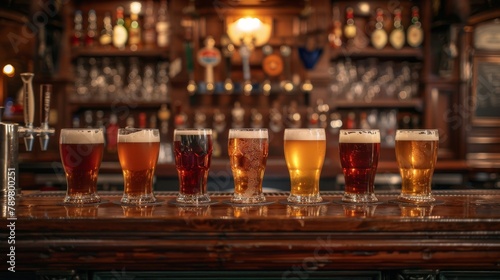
(248, 149)
(138, 151)
(305, 150)
(193, 153)
(416, 154)
(81, 155)
(359, 151)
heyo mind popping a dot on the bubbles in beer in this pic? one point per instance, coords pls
(248, 151)
(248, 160)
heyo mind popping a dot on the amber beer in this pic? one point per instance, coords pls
(305, 150)
(138, 151)
(193, 154)
(81, 155)
(416, 153)
(248, 150)
(359, 151)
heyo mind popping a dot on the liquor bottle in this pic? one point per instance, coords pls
(180, 118)
(142, 120)
(107, 31)
(130, 121)
(91, 29)
(120, 33)
(397, 37)
(99, 123)
(75, 123)
(162, 26)
(76, 40)
(216, 146)
(351, 120)
(415, 34)
(149, 32)
(350, 27)
(134, 33)
(88, 119)
(238, 114)
(165, 154)
(363, 121)
(335, 36)
(379, 35)
(112, 133)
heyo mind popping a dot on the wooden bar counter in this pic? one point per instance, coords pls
(456, 238)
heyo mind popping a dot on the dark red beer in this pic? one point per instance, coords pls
(359, 164)
(193, 152)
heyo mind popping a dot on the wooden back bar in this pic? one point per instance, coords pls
(461, 232)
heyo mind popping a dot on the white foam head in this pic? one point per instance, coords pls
(305, 134)
(260, 133)
(135, 135)
(81, 136)
(192, 131)
(417, 135)
(359, 136)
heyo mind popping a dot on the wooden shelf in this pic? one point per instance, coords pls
(113, 52)
(406, 52)
(110, 104)
(389, 103)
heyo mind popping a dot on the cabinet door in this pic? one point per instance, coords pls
(469, 275)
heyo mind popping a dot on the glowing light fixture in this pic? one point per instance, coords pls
(253, 31)
(9, 70)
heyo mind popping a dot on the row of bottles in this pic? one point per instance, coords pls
(111, 122)
(387, 120)
(381, 34)
(125, 29)
(121, 79)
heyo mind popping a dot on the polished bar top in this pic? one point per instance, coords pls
(460, 231)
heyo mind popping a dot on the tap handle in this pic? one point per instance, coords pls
(45, 92)
(29, 99)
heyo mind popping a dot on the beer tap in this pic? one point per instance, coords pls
(9, 152)
(28, 131)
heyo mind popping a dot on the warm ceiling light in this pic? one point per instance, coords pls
(135, 8)
(9, 70)
(248, 24)
(253, 31)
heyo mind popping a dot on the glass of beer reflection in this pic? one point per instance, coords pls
(359, 151)
(81, 155)
(305, 150)
(416, 153)
(193, 153)
(138, 151)
(248, 149)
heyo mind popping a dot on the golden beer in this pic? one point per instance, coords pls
(248, 150)
(138, 151)
(416, 154)
(304, 155)
(81, 155)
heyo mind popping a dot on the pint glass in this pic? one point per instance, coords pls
(248, 149)
(416, 153)
(138, 153)
(81, 155)
(193, 153)
(305, 150)
(359, 151)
